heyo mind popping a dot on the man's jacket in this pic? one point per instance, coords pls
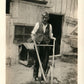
(41, 36)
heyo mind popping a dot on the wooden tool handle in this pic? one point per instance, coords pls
(39, 62)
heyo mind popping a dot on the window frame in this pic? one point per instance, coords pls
(23, 35)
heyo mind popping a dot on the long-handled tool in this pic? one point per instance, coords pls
(39, 61)
(52, 69)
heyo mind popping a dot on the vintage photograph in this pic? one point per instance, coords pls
(41, 41)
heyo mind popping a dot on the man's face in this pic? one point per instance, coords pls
(45, 19)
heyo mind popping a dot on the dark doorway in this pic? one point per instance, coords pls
(56, 22)
(8, 6)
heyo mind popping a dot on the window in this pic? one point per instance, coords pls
(22, 33)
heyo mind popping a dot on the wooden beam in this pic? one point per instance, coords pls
(44, 45)
(38, 1)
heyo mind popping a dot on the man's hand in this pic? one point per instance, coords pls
(53, 38)
(33, 37)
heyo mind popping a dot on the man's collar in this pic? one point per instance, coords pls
(44, 24)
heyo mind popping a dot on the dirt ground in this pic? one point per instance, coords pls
(64, 73)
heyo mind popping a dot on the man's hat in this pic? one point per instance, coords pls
(45, 14)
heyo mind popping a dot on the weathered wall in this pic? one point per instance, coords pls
(11, 49)
(8, 35)
(65, 7)
(26, 13)
(23, 13)
(68, 8)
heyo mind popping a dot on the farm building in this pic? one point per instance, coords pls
(21, 16)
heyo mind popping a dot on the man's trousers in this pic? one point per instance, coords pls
(44, 57)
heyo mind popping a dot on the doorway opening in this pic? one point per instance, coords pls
(56, 22)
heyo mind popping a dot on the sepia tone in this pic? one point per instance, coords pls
(21, 16)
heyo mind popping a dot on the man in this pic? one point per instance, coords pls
(42, 34)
